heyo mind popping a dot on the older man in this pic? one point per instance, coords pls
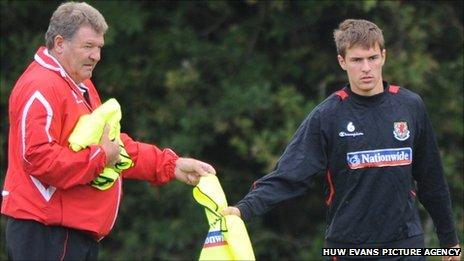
(53, 211)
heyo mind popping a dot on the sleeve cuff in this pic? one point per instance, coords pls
(169, 167)
(449, 239)
(245, 213)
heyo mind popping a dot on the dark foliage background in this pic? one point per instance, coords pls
(229, 83)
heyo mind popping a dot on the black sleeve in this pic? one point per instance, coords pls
(304, 157)
(432, 189)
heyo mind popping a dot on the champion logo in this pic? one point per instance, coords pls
(214, 238)
(350, 128)
(379, 158)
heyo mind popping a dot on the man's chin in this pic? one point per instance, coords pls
(87, 76)
(366, 86)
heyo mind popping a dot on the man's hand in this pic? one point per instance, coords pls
(189, 170)
(231, 211)
(111, 148)
(452, 258)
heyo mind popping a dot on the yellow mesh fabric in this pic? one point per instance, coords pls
(89, 130)
(227, 237)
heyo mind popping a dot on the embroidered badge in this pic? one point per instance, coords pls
(400, 130)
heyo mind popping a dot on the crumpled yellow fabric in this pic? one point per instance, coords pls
(227, 237)
(89, 130)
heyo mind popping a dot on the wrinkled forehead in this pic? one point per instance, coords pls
(87, 34)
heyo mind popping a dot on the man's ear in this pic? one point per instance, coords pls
(342, 62)
(384, 56)
(58, 45)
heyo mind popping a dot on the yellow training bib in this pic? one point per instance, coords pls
(227, 238)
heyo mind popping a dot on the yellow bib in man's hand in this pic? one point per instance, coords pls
(227, 237)
(89, 130)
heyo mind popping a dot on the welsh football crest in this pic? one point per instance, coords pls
(400, 130)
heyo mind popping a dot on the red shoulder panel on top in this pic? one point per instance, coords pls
(394, 88)
(342, 94)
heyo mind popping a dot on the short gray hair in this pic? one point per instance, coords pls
(71, 16)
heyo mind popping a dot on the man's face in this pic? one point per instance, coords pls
(81, 53)
(364, 69)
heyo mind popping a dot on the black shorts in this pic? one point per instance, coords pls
(31, 240)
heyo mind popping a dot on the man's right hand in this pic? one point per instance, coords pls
(111, 148)
(231, 211)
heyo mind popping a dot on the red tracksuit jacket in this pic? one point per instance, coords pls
(48, 182)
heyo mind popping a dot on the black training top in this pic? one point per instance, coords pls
(378, 153)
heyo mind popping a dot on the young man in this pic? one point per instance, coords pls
(53, 211)
(375, 143)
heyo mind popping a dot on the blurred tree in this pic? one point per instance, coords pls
(229, 82)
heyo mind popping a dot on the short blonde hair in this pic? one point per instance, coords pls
(353, 32)
(71, 16)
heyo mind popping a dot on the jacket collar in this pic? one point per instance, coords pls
(45, 59)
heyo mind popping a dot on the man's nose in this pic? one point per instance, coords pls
(95, 55)
(366, 66)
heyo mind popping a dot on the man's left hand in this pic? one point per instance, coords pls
(189, 170)
(452, 258)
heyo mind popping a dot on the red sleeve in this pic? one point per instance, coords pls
(150, 163)
(43, 156)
